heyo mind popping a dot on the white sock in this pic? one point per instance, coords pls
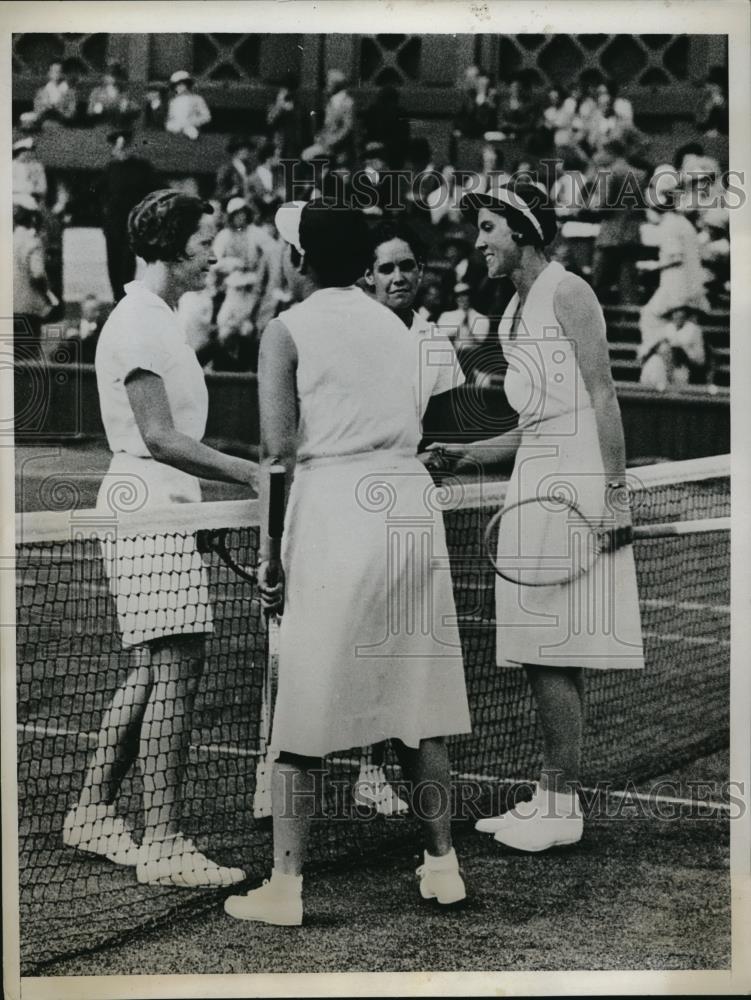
(446, 862)
(291, 884)
(561, 805)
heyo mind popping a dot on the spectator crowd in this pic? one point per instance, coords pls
(651, 235)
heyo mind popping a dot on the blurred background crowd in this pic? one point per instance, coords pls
(650, 232)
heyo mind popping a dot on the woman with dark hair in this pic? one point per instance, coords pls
(154, 406)
(559, 381)
(339, 405)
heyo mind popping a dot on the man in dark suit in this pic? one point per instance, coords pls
(127, 180)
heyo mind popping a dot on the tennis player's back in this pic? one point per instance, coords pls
(356, 376)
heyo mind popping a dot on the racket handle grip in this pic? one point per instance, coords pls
(275, 525)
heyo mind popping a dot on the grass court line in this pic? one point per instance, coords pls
(223, 750)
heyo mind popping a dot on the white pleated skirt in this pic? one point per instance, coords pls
(369, 643)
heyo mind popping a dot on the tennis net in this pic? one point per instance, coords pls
(70, 661)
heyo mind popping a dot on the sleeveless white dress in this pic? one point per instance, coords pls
(369, 644)
(159, 583)
(593, 621)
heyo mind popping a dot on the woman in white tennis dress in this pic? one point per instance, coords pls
(369, 646)
(559, 381)
(154, 405)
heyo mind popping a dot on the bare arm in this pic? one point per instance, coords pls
(148, 400)
(277, 397)
(582, 322)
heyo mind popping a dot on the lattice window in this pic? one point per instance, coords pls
(390, 59)
(637, 59)
(34, 51)
(226, 57)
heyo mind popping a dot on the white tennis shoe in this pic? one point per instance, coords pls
(441, 880)
(547, 820)
(372, 789)
(177, 861)
(97, 829)
(277, 901)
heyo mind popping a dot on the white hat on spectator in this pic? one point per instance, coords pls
(26, 143)
(180, 76)
(27, 201)
(287, 221)
(236, 205)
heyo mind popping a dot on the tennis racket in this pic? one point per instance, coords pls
(274, 530)
(550, 541)
(216, 541)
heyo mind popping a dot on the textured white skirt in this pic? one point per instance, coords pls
(159, 582)
(593, 621)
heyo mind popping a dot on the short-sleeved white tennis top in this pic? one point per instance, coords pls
(143, 332)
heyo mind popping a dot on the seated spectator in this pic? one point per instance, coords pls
(589, 82)
(684, 330)
(237, 334)
(29, 177)
(155, 108)
(277, 295)
(559, 115)
(264, 182)
(287, 120)
(491, 167)
(32, 298)
(83, 338)
(679, 263)
(187, 112)
(516, 111)
(617, 197)
(235, 246)
(714, 247)
(431, 302)
(664, 367)
(478, 112)
(712, 113)
(57, 99)
(336, 140)
(387, 123)
(233, 176)
(243, 247)
(569, 186)
(109, 101)
(609, 118)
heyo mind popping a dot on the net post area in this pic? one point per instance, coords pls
(76, 574)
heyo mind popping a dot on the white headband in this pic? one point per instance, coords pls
(507, 197)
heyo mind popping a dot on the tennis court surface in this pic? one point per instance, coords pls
(640, 726)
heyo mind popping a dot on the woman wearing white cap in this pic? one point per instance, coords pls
(559, 381)
(154, 405)
(369, 648)
(187, 112)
